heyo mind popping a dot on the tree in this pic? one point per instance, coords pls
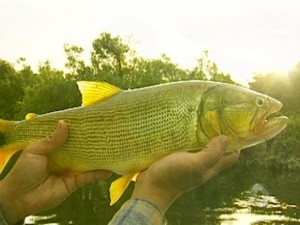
(11, 92)
(208, 70)
(156, 71)
(294, 76)
(50, 92)
(109, 53)
(77, 70)
(26, 74)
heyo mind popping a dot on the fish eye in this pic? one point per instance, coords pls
(260, 102)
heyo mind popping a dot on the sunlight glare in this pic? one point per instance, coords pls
(245, 217)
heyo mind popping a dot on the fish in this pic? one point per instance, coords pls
(125, 131)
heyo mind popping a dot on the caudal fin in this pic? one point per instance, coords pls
(7, 150)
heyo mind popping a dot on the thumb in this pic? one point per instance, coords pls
(49, 144)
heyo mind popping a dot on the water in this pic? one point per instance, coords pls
(241, 197)
(237, 196)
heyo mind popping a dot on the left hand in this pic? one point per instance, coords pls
(30, 187)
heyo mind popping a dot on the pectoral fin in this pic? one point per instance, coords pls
(30, 116)
(118, 187)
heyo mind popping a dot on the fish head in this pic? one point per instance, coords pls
(241, 114)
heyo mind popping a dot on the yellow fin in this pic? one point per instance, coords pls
(30, 116)
(94, 92)
(7, 151)
(118, 187)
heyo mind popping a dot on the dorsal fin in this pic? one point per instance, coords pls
(94, 92)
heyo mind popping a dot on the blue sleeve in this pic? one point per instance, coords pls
(134, 211)
(139, 212)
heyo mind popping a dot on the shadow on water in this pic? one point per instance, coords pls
(234, 197)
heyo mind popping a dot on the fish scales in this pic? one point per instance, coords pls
(126, 132)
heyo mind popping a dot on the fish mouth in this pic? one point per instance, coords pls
(268, 126)
(265, 128)
(274, 126)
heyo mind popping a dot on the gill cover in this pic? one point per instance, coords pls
(231, 110)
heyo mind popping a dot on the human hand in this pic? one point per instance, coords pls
(169, 177)
(30, 187)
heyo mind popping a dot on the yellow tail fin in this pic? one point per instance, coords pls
(7, 150)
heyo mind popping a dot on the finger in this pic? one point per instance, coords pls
(229, 159)
(219, 142)
(82, 179)
(48, 145)
(226, 161)
(212, 152)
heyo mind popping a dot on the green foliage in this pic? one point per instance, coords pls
(109, 54)
(282, 152)
(50, 92)
(10, 90)
(294, 76)
(155, 71)
(208, 70)
(75, 65)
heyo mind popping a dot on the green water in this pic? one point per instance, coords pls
(237, 196)
(230, 199)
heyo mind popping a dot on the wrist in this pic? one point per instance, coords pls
(160, 201)
(9, 206)
(150, 192)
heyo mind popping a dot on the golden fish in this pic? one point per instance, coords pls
(127, 130)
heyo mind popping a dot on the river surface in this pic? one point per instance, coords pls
(237, 196)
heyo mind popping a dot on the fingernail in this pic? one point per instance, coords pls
(61, 123)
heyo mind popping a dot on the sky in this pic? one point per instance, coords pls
(242, 36)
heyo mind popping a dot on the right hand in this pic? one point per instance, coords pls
(169, 177)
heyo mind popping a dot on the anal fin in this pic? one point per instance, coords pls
(118, 187)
